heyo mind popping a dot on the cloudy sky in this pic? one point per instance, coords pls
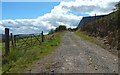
(34, 17)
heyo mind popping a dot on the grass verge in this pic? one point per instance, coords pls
(83, 36)
(19, 60)
(97, 42)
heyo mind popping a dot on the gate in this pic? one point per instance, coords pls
(22, 41)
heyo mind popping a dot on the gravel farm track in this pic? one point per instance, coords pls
(76, 55)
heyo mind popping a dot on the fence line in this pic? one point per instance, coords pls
(18, 41)
(42, 36)
(28, 41)
(12, 40)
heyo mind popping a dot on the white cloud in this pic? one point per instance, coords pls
(90, 6)
(62, 14)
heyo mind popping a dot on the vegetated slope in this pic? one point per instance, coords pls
(89, 19)
(105, 28)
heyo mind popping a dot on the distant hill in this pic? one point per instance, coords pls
(2, 36)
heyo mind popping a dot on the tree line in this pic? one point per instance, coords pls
(61, 28)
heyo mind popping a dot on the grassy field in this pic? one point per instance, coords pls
(19, 60)
(0, 58)
(0, 48)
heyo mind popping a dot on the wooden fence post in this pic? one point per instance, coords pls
(7, 41)
(12, 40)
(42, 36)
(15, 41)
(31, 41)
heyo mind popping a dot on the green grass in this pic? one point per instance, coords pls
(1, 47)
(83, 36)
(19, 60)
(0, 58)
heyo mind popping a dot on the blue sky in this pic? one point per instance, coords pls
(34, 17)
(35, 0)
(26, 10)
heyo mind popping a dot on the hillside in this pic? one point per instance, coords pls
(2, 36)
(89, 19)
(105, 28)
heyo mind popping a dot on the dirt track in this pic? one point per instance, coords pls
(76, 55)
